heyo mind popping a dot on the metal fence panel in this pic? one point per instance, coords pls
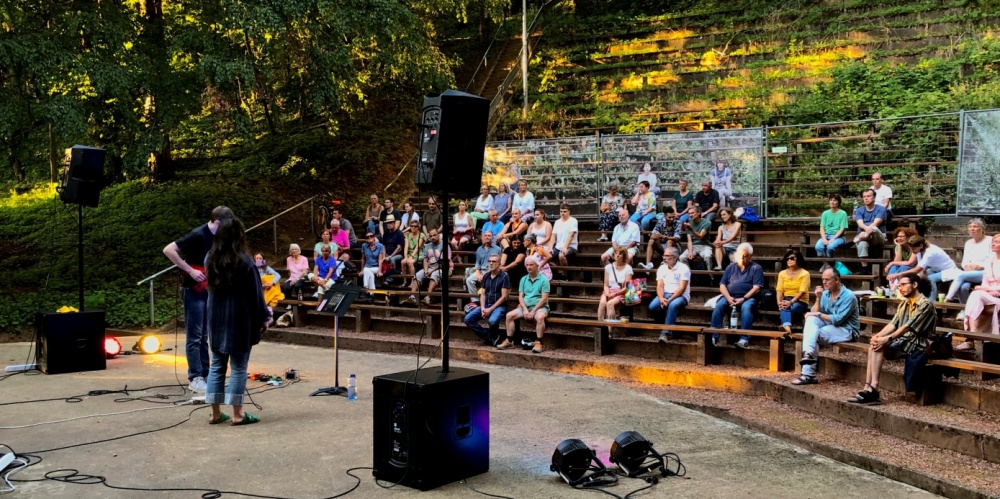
(979, 177)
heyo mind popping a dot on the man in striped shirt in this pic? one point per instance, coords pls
(905, 335)
(494, 289)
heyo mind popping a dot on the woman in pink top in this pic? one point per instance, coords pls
(298, 267)
(986, 295)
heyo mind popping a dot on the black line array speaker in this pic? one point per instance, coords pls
(69, 343)
(85, 179)
(431, 428)
(452, 144)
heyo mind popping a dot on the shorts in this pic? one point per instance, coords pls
(435, 276)
(569, 252)
(611, 252)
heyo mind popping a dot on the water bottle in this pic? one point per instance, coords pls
(300, 295)
(732, 319)
(352, 388)
(855, 206)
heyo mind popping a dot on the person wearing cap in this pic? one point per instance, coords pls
(394, 241)
(934, 265)
(389, 210)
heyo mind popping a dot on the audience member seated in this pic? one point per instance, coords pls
(326, 239)
(394, 242)
(832, 226)
(325, 272)
(432, 219)
(494, 225)
(515, 229)
(904, 336)
(532, 305)
(645, 206)
(524, 201)
(626, 235)
(648, 177)
(616, 275)
(341, 239)
(432, 258)
(986, 296)
(975, 256)
(672, 291)
(870, 218)
(269, 280)
(372, 255)
(793, 290)
(934, 264)
(298, 267)
(462, 231)
(541, 229)
(566, 231)
(722, 181)
(512, 261)
(740, 284)
(833, 319)
(696, 231)
(413, 250)
(682, 200)
(666, 233)
(502, 202)
(494, 288)
(484, 204)
(708, 200)
(373, 214)
(883, 195)
(728, 238)
(903, 257)
(541, 254)
(482, 265)
(345, 225)
(409, 215)
(385, 226)
(610, 204)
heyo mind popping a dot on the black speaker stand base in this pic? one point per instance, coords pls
(331, 390)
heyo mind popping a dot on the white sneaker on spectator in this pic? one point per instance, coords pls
(198, 385)
(960, 316)
(743, 343)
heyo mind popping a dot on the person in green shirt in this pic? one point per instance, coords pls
(832, 225)
(533, 305)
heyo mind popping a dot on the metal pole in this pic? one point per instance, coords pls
(274, 224)
(524, 57)
(446, 282)
(958, 168)
(79, 246)
(152, 306)
(336, 351)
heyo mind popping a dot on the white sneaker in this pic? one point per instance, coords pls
(198, 385)
(960, 316)
(648, 266)
(743, 343)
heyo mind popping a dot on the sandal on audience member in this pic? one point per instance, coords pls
(223, 417)
(965, 346)
(805, 380)
(247, 419)
(864, 397)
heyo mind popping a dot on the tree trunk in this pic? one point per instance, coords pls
(53, 159)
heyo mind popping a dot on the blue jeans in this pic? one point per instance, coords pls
(233, 394)
(963, 284)
(472, 322)
(896, 269)
(722, 310)
(816, 331)
(673, 310)
(644, 221)
(372, 227)
(504, 218)
(196, 346)
(827, 250)
(797, 310)
(934, 279)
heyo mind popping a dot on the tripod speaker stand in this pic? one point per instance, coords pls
(337, 300)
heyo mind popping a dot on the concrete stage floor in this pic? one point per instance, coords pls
(304, 444)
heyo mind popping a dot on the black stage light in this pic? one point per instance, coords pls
(572, 461)
(635, 455)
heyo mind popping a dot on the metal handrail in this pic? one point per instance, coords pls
(482, 61)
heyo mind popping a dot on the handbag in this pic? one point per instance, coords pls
(633, 292)
(387, 266)
(939, 346)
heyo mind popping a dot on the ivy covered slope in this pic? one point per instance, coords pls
(656, 65)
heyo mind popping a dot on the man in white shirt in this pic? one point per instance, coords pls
(672, 291)
(565, 229)
(934, 264)
(883, 193)
(626, 234)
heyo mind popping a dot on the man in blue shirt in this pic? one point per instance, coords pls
(740, 284)
(372, 253)
(871, 223)
(833, 319)
(483, 254)
(494, 290)
(493, 225)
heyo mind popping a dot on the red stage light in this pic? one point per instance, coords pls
(112, 347)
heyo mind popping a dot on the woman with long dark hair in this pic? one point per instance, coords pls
(237, 315)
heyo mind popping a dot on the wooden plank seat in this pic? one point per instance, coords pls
(776, 347)
(967, 365)
(602, 337)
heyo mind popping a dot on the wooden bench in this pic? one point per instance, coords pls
(776, 361)
(602, 338)
(299, 310)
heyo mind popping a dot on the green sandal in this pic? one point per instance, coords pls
(247, 419)
(223, 417)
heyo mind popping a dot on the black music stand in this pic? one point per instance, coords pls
(337, 300)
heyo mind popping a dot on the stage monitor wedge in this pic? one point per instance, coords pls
(85, 179)
(71, 342)
(452, 144)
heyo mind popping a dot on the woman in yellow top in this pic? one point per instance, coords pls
(793, 290)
